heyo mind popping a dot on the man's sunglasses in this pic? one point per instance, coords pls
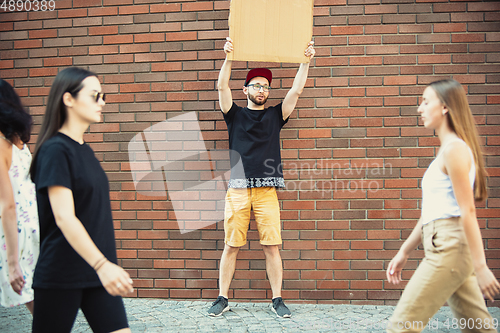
(258, 86)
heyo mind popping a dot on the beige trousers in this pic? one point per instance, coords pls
(445, 274)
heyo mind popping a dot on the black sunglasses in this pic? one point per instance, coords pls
(98, 95)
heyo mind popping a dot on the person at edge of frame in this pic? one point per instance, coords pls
(254, 140)
(19, 231)
(454, 267)
(77, 266)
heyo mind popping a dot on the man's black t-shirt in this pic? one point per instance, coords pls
(64, 162)
(254, 137)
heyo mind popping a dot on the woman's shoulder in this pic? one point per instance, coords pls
(5, 149)
(56, 145)
(456, 145)
(457, 151)
(57, 141)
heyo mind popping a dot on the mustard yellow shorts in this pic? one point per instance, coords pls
(265, 205)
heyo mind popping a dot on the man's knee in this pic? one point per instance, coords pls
(271, 250)
(231, 250)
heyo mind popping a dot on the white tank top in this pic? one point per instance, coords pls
(438, 199)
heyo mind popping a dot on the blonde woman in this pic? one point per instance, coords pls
(454, 269)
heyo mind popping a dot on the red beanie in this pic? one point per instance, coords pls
(263, 72)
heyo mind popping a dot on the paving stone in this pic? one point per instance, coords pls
(165, 316)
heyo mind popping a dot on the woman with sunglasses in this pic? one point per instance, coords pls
(77, 263)
(19, 236)
(454, 269)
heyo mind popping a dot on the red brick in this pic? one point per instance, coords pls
(467, 17)
(67, 13)
(42, 72)
(363, 61)
(381, 9)
(449, 27)
(434, 59)
(121, 39)
(400, 80)
(467, 38)
(120, 58)
(448, 7)
(412, 49)
(149, 38)
(177, 36)
(27, 44)
(399, 60)
(4, 64)
(60, 61)
(363, 40)
(383, 49)
(483, 7)
(348, 30)
(171, 26)
(185, 293)
(319, 133)
(382, 91)
(103, 49)
(135, 9)
(7, 26)
(398, 18)
(198, 6)
(102, 11)
(366, 284)
(451, 48)
(381, 29)
(134, 48)
(99, 31)
(367, 101)
(165, 8)
(150, 57)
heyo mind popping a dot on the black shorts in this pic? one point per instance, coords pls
(56, 310)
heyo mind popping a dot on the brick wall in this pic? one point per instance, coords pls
(353, 151)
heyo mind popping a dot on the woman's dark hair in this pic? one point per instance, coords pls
(14, 120)
(68, 80)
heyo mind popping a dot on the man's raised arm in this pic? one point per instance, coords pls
(225, 96)
(299, 82)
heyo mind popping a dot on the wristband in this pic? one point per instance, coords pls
(99, 263)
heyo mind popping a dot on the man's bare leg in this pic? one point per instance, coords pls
(226, 269)
(274, 268)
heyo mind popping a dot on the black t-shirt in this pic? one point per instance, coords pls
(63, 161)
(254, 137)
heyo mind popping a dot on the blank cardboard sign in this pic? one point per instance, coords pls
(270, 30)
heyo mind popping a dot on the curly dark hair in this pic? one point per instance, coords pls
(14, 120)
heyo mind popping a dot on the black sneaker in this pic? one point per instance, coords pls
(219, 307)
(280, 308)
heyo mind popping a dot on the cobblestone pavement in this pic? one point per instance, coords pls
(158, 316)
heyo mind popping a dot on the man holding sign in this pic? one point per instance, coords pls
(254, 141)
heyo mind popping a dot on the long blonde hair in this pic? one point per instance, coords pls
(452, 94)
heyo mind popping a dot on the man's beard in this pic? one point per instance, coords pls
(256, 101)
